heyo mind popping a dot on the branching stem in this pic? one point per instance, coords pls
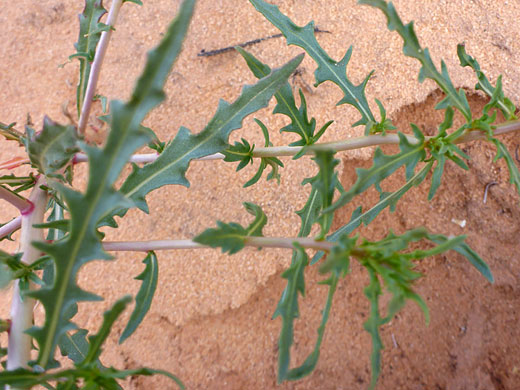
(96, 66)
(338, 146)
(22, 204)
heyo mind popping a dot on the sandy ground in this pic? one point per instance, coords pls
(210, 322)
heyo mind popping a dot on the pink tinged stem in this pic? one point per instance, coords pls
(25, 206)
(96, 66)
(19, 348)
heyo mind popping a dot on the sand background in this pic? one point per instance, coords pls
(210, 322)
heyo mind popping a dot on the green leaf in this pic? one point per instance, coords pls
(413, 49)
(82, 244)
(144, 297)
(502, 152)
(436, 177)
(383, 125)
(338, 265)
(89, 21)
(325, 183)
(384, 166)
(53, 148)
(74, 346)
(328, 69)
(231, 236)
(92, 377)
(372, 324)
(310, 212)
(466, 251)
(388, 199)
(286, 105)
(310, 362)
(96, 341)
(496, 94)
(243, 152)
(390, 261)
(6, 268)
(288, 310)
(170, 167)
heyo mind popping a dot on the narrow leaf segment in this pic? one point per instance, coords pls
(144, 297)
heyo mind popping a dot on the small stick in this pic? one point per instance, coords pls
(488, 185)
(204, 53)
(394, 342)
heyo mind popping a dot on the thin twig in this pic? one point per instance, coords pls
(488, 186)
(96, 65)
(204, 53)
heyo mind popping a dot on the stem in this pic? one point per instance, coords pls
(10, 227)
(265, 242)
(16, 200)
(347, 144)
(19, 348)
(96, 65)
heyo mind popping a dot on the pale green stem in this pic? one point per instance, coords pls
(337, 146)
(96, 65)
(264, 242)
(19, 348)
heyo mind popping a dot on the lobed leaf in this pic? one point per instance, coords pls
(144, 297)
(170, 167)
(328, 69)
(74, 346)
(96, 341)
(413, 49)
(495, 93)
(53, 148)
(384, 166)
(325, 183)
(388, 260)
(82, 244)
(230, 237)
(286, 105)
(288, 310)
(243, 152)
(502, 152)
(310, 362)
